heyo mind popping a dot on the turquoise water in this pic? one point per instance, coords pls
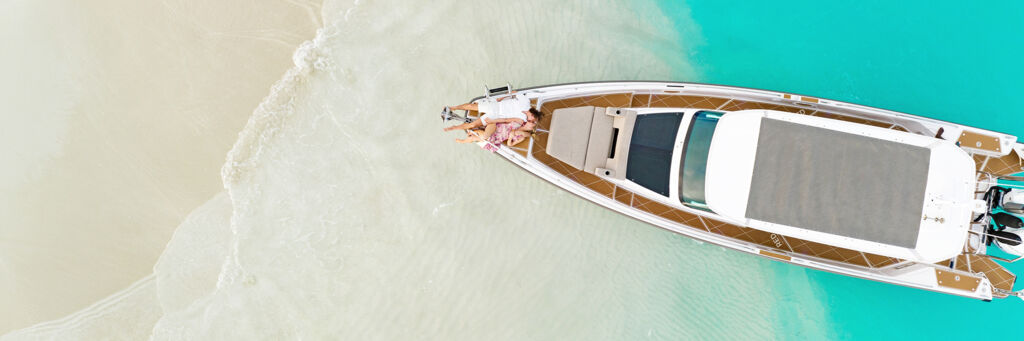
(338, 224)
(953, 61)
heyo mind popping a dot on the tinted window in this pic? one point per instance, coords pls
(650, 150)
(695, 158)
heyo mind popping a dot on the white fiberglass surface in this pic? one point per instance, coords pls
(731, 178)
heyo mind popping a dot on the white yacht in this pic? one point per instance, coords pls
(834, 186)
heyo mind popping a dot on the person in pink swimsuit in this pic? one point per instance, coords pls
(511, 109)
(511, 130)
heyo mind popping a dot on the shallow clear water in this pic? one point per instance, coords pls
(354, 216)
(348, 214)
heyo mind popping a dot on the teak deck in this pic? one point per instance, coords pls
(780, 247)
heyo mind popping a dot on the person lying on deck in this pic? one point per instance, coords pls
(501, 130)
(523, 132)
(511, 109)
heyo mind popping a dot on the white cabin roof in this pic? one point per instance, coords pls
(849, 185)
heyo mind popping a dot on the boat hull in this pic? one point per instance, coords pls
(959, 277)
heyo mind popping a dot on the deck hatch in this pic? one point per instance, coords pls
(838, 183)
(650, 150)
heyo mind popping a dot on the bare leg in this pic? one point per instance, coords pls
(488, 131)
(470, 137)
(516, 137)
(478, 135)
(467, 106)
(465, 126)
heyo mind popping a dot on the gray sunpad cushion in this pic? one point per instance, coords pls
(838, 183)
(570, 135)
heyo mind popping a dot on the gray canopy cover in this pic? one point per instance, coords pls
(838, 183)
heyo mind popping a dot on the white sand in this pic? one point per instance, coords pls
(116, 117)
(186, 271)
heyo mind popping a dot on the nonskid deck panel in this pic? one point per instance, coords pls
(535, 147)
(1000, 277)
(1008, 164)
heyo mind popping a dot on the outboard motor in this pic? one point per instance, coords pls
(994, 196)
(1008, 240)
(1013, 202)
(1007, 232)
(1002, 220)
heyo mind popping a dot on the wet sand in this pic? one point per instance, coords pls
(117, 116)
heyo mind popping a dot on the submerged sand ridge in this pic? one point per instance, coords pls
(117, 117)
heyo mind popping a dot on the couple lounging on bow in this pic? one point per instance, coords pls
(505, 120)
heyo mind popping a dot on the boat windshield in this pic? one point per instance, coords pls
(650, 150)
(694, 161)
